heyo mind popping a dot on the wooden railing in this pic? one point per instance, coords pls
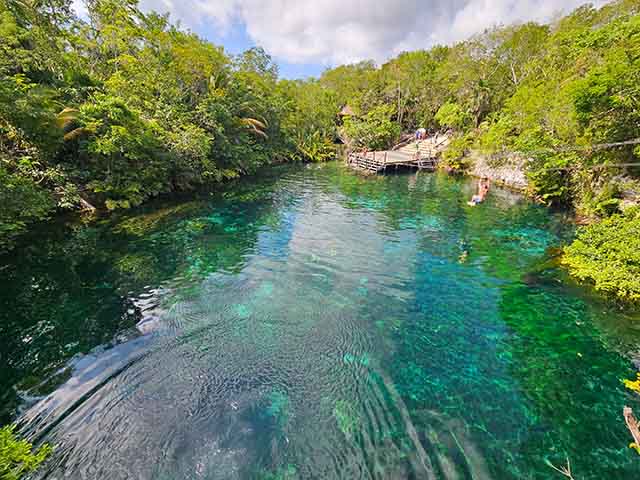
(368, 161)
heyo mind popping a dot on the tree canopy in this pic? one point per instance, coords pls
(123, 106)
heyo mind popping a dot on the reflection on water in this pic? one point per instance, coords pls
(314, 324)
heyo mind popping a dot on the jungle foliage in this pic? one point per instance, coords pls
(607, 253)
(17, 457)
(122, 106)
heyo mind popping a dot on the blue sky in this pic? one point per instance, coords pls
(236, 40)
(305, 37)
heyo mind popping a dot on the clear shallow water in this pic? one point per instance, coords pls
(314, 324)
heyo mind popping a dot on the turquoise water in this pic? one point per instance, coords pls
(315, 324)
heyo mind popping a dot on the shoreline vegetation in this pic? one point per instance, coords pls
(17, 456)
(119, 107)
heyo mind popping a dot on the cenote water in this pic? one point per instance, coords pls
(314, 324)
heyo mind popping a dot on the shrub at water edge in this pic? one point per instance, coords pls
(607, 253)
(17, 457)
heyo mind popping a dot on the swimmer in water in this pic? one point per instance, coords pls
(464, 248)
(483, 189)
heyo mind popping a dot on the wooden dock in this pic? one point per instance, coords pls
(422, 154)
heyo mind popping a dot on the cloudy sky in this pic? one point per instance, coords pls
(305, 37)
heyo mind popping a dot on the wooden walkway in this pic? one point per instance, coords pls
(422, 154)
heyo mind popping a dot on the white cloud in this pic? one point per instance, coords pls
(194, 13)
(80, 8)
(340, 31)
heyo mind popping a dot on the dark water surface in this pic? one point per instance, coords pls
(314, 324)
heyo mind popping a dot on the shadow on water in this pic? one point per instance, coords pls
(74, 286)
(316, 324)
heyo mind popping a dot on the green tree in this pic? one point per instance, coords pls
(120, 153)
(376, 130)
(451, 115)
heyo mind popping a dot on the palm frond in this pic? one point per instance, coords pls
(75, 133)
(66, 117)
(256, 126)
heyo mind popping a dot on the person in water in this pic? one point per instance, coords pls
(483, 189)
(464, 249)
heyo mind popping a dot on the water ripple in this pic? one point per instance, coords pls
(320, 325)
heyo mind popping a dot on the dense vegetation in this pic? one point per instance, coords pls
(17, 457)
(122, 106)
(608, 253)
